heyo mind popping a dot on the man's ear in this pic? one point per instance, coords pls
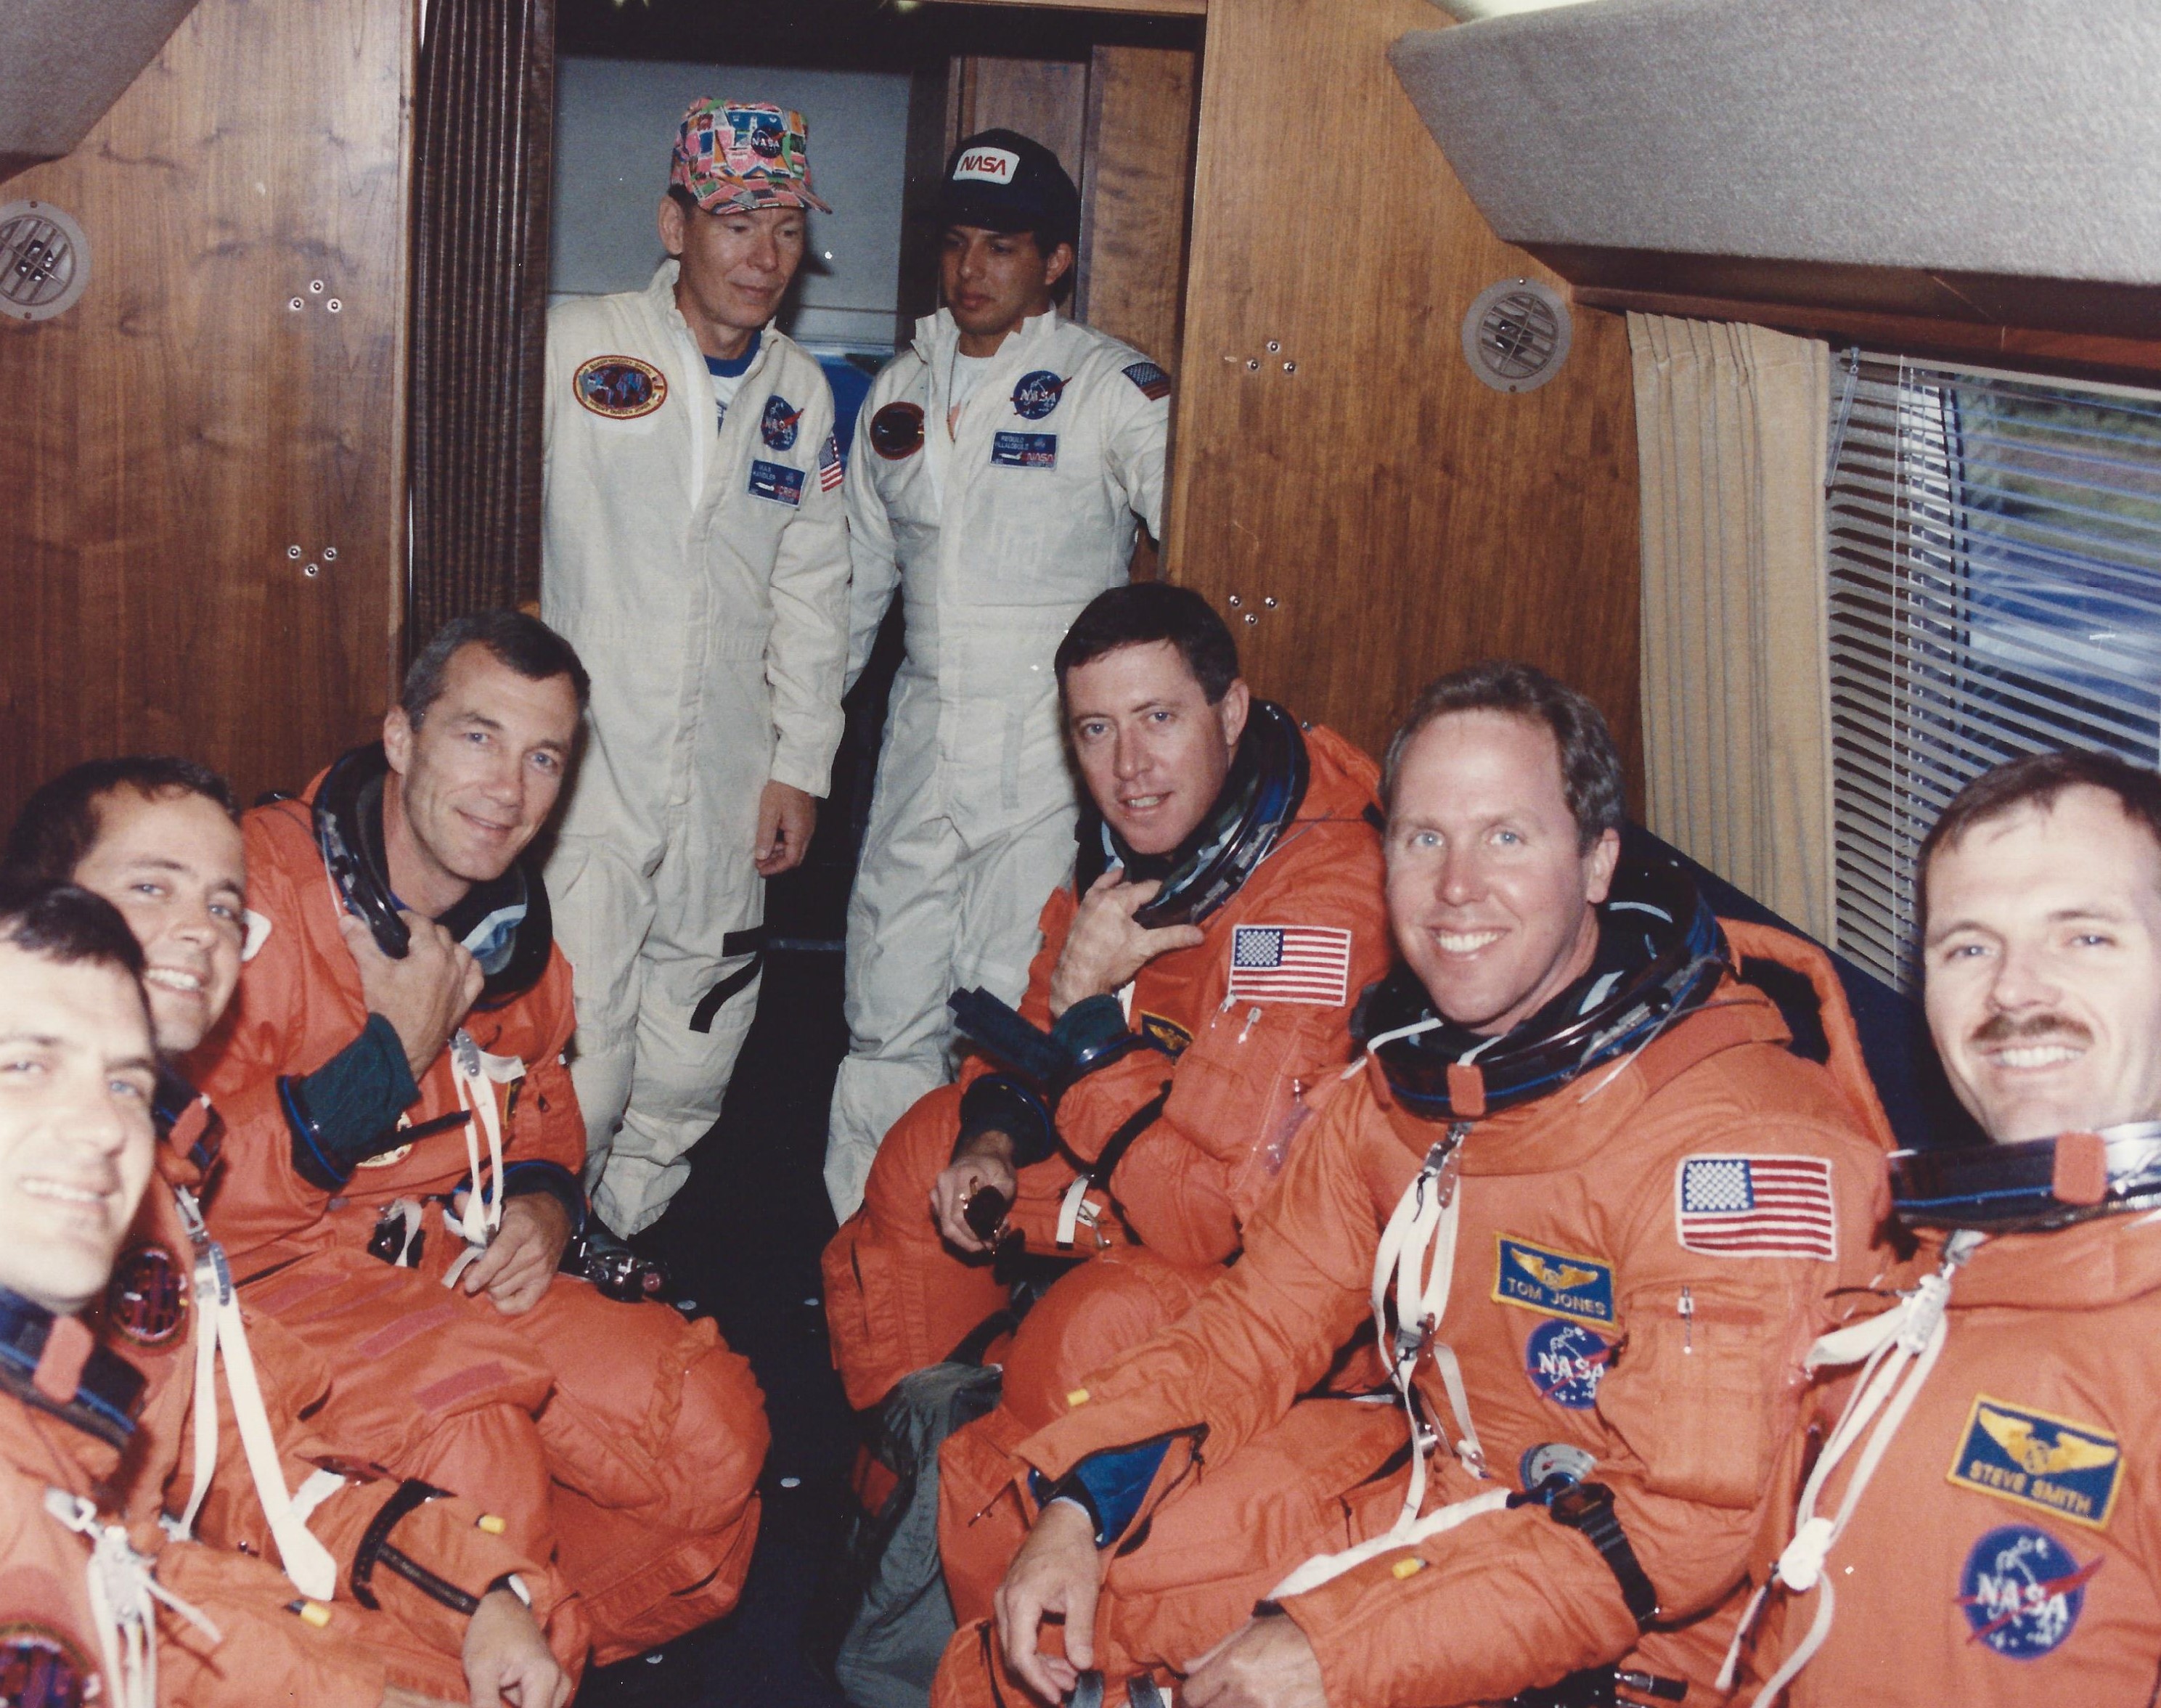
(1598, 867)
(673, 229)
(397, 739)
(1231, 712)
(1057, 264)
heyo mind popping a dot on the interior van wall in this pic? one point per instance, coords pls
(1403, 518)
(190, 443)
(615, 120)
(1120, 121)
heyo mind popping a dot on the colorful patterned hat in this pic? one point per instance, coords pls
(744, 154)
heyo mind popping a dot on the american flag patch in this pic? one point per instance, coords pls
(1290, 964)
(1756, 1207)
(829, 463)
(1153, 381)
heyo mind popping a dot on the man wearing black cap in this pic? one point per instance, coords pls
(1012, 455)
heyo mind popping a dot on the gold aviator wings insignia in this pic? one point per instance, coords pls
(1562, 1277)
(2015, 1436)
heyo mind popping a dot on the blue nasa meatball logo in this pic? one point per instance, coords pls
(1564, 1361)
(1037, 394)
(2021, 1591)
(780, 422)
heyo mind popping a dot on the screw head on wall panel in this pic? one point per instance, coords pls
(315, 287)
(333, 304)
(310, 571)
(330, 554)
(1236, 601)
(296, 303)
(1270, 602)
(294, 552)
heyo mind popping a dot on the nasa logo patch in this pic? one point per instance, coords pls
(2021, 1591)
(1565, 1361)
(779, 427)
(148, 1297)
(1037, 394)
(41, 1668)
(1555, 1283)
(987, 166)
(2035, 1460)
(620, 388)
(897, 431)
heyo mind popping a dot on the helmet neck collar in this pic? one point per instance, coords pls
(1660, 954)
(2033, 1185)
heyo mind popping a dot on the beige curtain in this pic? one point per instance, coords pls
(1730, 422)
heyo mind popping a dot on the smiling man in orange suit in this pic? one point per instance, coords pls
(1980, 1524)
(1589, 1198)
(396, 1044)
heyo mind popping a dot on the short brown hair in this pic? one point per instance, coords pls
(61, 822)
(1591, 780)
(2037, 780)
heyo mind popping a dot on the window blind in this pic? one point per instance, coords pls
(1995, 589)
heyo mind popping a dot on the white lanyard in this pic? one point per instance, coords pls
(122, 1598)
(218, 1329)
(477, 1074)
(1900, 1348)
(1416, 1259)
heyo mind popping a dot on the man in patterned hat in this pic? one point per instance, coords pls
(695, 553)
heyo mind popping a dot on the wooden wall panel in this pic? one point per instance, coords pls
(1137, 199)
(1045, 99)
(1404, 518)
(175, 434)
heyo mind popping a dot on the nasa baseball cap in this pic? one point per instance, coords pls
(1003, 181)
(745, 154)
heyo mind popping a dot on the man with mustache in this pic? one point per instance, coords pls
(1588, 1198)
(420, 1594)
(403, 1148)
(695, 551)
(1982, 1526)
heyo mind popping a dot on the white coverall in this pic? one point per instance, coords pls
(998, 536)
(703, 577)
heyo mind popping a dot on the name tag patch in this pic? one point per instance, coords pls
(1553, 1283)
(1024, 451)
(2034, 1459)
(774, 481)
(1565, 1362)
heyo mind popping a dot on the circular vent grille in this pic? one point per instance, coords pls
(45, 261)
(1517, 335)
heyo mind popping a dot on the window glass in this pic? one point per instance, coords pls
(1995, 565)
